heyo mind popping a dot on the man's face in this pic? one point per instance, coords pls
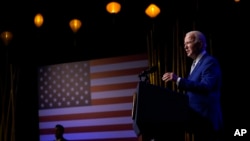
(191, 47)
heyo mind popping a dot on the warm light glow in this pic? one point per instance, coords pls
(75, 25)
(236, 1)
(152, 10)
(38, 20)
(113, 7)
(6, 37)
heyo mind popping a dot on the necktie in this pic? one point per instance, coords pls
(193, 66)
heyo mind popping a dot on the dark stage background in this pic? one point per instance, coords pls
(104, 35)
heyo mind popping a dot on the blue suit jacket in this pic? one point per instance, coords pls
(203, 90)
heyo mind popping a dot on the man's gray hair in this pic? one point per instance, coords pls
(199, 37)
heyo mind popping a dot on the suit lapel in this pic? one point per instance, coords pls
(197, 66)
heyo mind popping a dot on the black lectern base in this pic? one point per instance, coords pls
(159, 114)
(175, 132)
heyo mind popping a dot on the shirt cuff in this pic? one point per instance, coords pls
(178, 80)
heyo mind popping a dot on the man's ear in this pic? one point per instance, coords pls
(200, 45)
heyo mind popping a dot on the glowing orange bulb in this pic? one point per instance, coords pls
(75, 25)
(38, 20)
(152, 10)
(113, 7)
(6, 37)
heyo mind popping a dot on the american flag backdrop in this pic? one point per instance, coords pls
(92, 99)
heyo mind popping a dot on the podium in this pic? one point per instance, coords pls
(158, 111)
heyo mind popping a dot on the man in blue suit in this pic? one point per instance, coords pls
(202, 87)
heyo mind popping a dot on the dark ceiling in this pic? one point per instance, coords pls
(101, 35)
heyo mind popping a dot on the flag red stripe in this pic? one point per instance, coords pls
(85, 116)
(118, 59)
(116, 73)
(128, 99)
(89, 129)
(131, 85)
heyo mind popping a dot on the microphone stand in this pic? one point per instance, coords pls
(146, 73)
(146, 78)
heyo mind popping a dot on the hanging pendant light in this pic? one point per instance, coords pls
(38, 20)
(6, 36)
(152, 11)
(113, 7)
(75, 25)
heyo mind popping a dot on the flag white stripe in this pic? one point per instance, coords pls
(88, 122)
(114, 80)
(93, 135)
(86, 109)
(119, 66)
(114, 93)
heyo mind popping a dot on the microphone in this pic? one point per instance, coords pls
(148, 71)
